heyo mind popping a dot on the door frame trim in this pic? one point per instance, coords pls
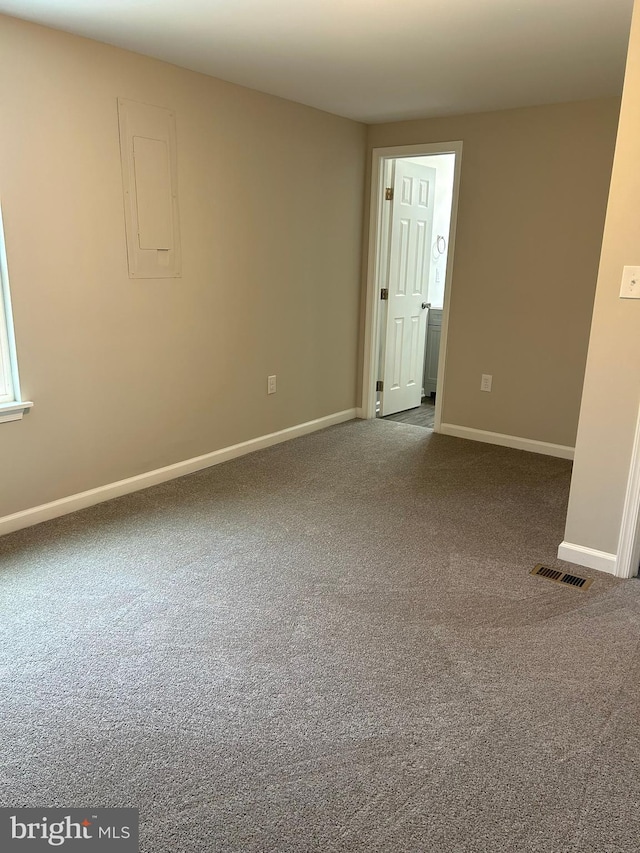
(380, 157)
(628, 552)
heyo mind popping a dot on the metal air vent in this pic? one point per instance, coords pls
(561, 577)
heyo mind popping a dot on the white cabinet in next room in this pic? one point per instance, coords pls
(432, 351)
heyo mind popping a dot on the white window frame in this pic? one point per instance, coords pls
(12, 407)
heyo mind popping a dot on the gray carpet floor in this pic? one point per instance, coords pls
(330, 645)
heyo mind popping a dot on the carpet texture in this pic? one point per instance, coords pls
(330, 645)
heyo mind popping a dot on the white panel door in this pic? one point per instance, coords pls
(409, 262)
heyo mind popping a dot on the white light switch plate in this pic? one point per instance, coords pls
(630, 288)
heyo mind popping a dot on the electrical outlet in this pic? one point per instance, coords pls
(485, 382)
(630, 288)
(271, 384)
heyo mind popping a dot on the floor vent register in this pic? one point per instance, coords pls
(561, 577)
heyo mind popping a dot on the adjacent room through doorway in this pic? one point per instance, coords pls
(414, 208)
(433, 184)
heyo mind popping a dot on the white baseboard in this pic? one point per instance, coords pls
(361, 414)
(515, 441)
(72, 503)
(587, 557)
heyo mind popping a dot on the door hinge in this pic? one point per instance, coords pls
(384, 293)
(388, 194)
(379, 385)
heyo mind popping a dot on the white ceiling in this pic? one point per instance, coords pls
(372, 60)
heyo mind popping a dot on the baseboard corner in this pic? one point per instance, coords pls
(590, 558)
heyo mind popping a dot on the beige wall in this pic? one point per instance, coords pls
(532, 202)
(612, 382)
(128, 375)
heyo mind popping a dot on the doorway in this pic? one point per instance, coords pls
(414, 197)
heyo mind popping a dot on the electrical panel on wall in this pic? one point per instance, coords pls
(149, 181)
